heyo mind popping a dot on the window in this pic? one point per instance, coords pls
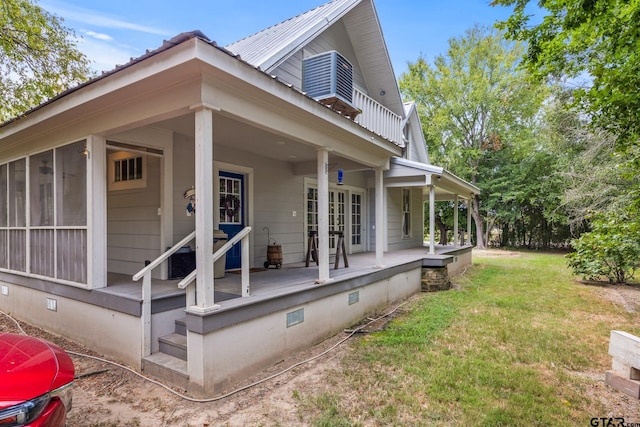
(4, 233)
(53, 233)
(127, 171)
(336, 215)
(71, 185)
(41, 189)
(229, 208)
(16, 231)
(406, 212)
(356, 219)
(312, 209)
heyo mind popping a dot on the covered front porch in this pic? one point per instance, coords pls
(287, 309)
(267, 282)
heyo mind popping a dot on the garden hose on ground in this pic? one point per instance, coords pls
(351, 333)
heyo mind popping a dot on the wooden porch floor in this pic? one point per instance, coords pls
(273, 281)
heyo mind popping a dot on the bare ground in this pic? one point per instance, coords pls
(105, 395)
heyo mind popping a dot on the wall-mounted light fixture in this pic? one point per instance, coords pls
(85, 151)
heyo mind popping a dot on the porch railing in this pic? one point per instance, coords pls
(377, 118)
(244, 276)
(145, 275)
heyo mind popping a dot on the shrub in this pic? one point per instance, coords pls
(611, 250)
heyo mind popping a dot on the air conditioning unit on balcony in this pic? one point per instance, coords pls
(328, 78)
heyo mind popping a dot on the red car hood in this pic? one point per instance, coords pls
(30, 367)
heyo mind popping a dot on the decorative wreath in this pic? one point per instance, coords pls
(231, 205)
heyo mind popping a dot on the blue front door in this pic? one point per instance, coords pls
(231, 212)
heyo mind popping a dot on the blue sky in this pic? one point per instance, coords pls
(116, 30)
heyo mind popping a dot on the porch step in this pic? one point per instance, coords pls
(167, 368)
(181, 326)
(174, 345)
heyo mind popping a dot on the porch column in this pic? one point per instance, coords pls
(323, 215)
(455, 221)
(469, 220)
(432, 219)
(380, 229)
(204, 207)
(97, 212)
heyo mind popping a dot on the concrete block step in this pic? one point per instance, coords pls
(174, 345)
(181, 326)
(167, 368)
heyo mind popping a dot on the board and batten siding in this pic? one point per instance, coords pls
(133, 224)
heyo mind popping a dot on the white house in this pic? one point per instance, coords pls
(296, 131)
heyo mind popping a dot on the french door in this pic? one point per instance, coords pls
(345, 214)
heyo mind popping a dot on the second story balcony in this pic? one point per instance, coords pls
(377, 118)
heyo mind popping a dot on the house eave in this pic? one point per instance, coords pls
(408, 173)
(194, 58)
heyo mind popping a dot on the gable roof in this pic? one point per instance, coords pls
(418, 149)
(269, 48)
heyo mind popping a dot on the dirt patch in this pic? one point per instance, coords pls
(105, 395)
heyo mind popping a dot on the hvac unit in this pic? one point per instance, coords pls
(328, 78)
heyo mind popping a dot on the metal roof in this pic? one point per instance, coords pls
(268, 48)
(285, 39)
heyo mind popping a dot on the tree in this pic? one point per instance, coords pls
(38, 59)
(595, 39)
(474, 102)
(611, 250)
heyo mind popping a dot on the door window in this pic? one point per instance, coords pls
(230, 200)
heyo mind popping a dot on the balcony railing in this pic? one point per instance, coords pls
(377, 118)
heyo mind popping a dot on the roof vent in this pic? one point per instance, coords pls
(328, 78)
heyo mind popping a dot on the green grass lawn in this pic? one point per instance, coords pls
(513, 346)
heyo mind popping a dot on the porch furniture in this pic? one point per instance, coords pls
(312, 248)
(181, 263)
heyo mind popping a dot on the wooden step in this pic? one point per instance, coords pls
(174, 345)
(167, 368)
(181, 326)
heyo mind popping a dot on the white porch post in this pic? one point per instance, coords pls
(455, 221)
(469, 220)
(323, 215)
(380, 229)
(97, 212)
(204, 207)
(432, 219)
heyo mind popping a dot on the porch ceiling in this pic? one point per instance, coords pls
(229, 132)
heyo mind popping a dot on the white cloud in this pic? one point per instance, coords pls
(107, 39)
(97, 19)
(99, 36)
